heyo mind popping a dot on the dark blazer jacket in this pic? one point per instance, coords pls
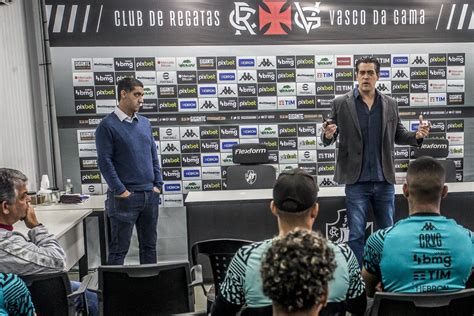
(349, 158)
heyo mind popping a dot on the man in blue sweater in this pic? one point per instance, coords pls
(128, 161)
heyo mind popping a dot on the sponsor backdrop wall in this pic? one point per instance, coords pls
(220, 73)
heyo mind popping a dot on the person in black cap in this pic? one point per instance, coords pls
(295, 205)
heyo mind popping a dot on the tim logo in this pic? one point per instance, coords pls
(275, 17)
(338, 231)
(250, 176)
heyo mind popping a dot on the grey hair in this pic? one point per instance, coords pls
(9, 180)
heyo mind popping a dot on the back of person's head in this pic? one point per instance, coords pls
(295, 192)
(127, 84)
(425, 180)
(9, 180)
(296, 270)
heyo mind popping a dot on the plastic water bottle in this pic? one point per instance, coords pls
(69, 188)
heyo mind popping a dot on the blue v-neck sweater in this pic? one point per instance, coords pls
(127, 154)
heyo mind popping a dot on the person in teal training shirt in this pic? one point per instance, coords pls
(425, 252)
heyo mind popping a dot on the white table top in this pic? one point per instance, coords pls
(95, 203)
(57, 223)
(247, 195)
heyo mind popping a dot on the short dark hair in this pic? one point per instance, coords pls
(296, 270)
(368, 60)
(425, 179)
(127, 84)
(295, 191)
(9, 180)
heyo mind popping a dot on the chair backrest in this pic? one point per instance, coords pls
(450, 169)
(241, 177)
(220, 252)
(149, 289)
(49, 293)
(458, 303)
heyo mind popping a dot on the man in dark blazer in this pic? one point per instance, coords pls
(368, 126)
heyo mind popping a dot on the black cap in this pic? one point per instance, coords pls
(295, 191)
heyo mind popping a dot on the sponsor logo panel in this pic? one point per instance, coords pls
(82, 64)
(124, 64)
(145, 64)
(165, 63)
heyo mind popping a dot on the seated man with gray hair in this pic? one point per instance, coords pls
(37, 253)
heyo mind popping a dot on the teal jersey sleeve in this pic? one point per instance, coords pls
(17, 298)
(373, 251)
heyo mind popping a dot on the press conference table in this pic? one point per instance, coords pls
(68, 228)
(95, 203)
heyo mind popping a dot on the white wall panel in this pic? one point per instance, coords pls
(17, 127)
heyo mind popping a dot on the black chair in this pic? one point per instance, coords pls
(243, 177)
(438, 149)
(149, 289)
(460, 303)
(250, 173)
(219, 252)
(51, 294)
